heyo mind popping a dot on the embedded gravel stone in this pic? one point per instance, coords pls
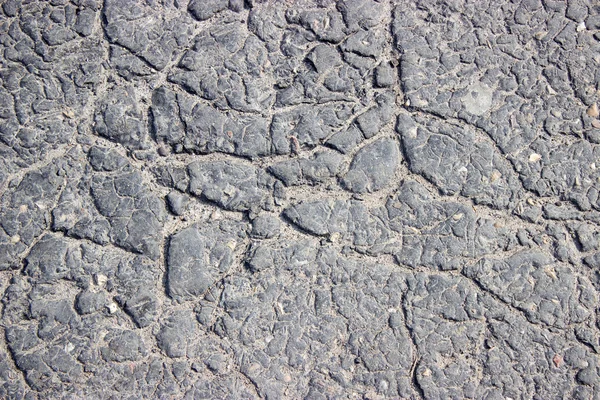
(313, 170)
(120, 120)
(177, 334)
(373, 167)
(265, 226)
(458, 160)
(196, 258)
(233, 186)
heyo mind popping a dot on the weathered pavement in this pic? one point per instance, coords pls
(223, 199)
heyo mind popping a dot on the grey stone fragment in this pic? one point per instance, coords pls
(264, 257)
(134, 213)
(305, 127)
(166, 120)
(89, 302)
(440, 234)
(561, 212)
(265, 226)
(385, 75)
(315, 217)
(346, 140)
(62, 363)
(47, 260)
(578, 174)
(324, 58)
(123, 345)
(459, 160)
(313, 170)
(10, 387)
(365, 43)
(587, 236)
(177, 334)
(145, 33)
(58, 315)
(366, 229)
(188, 277)
(373, 167)
(86, 18)
(366, 125)
(593, 261)
(195, 261)
(106, 160)
(267, 23)
(559, 297)
(77, 216)
(203, 10)
(177, 202)
(24, 212)
(363, 14)
(189, 126)
(119, 119)
(233, 186)
(143, 307)
(376, 117)
(207, 131)
(172, 177)
(327, 26)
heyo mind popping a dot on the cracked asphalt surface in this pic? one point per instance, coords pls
(301, 199)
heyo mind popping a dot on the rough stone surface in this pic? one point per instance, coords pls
(373, 167)
(311, 199)
(195, 261)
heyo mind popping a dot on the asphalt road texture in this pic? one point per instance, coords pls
(227, 199)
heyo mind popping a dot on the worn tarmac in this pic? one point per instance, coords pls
(301, 199)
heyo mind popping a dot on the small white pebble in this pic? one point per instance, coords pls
(216, 215)
(581, 26)
(112, 308)
(100, 279)
(551, 272)
(334, 237)
(457, 217)
(67, 112)
(495, 176)
(535, 157)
